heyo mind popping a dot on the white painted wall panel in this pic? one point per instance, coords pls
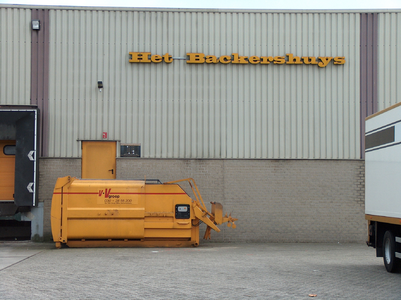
(382, 165)
(182, 110)
(389, 62)
(15, 56)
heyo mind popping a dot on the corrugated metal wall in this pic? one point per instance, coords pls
(389, 64)
(15, 56)
(180, 110)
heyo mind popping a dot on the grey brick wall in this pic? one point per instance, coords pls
(49, 170)
(274, 200)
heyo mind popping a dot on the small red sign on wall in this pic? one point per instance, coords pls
(105, 135)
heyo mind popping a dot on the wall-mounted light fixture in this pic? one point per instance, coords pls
(100, 85)
(35, 25)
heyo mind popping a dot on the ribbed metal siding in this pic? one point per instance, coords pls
(389, 60)
(15, 54)
(205, 111)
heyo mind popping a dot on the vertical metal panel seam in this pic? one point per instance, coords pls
(363, 59)
(45, 112)
(368, 87)
(34, 60)
(40, 74)
(375, 62)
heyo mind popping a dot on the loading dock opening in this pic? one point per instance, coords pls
(19, 127)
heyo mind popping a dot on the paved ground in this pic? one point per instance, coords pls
(211, 271)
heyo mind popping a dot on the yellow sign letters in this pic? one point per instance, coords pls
(235, 58)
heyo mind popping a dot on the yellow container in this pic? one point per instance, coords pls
(128, 213)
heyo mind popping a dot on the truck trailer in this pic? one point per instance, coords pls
(383, 184)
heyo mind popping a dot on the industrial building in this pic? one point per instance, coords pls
(265, 109)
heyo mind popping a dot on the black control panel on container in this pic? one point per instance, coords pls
(182, 211)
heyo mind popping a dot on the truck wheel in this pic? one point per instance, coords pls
(390, 261)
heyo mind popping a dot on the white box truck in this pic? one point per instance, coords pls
(383, 184)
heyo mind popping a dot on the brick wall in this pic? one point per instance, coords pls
(49, 170)
(274, 200)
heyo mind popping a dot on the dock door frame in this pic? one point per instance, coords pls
(24, 130)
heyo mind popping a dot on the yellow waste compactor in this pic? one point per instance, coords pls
(130, 213)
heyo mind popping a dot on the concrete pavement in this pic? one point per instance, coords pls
(211, 271)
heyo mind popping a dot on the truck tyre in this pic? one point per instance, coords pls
(390, 261)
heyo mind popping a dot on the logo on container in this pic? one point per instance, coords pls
(106, 193)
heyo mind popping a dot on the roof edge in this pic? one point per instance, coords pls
(213, 10)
